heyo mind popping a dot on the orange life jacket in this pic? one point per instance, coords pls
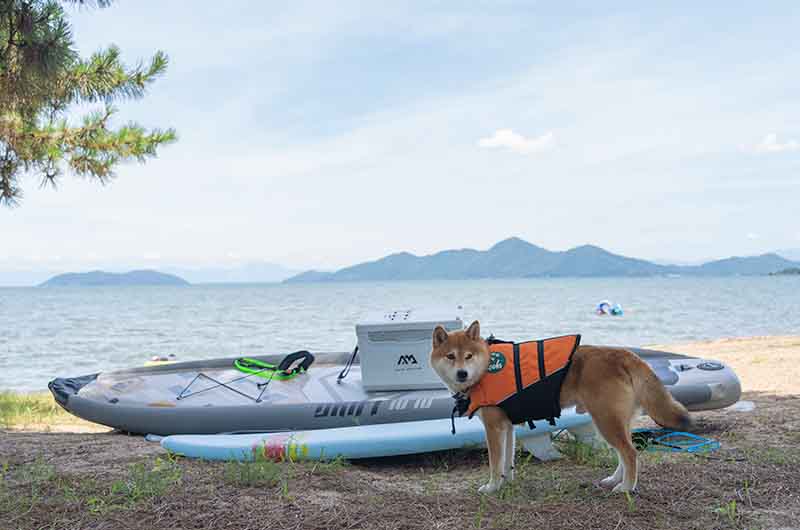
(524, 379)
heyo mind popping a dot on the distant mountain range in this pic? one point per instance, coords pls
(516, 258)
(252, 272)
(101, 278)
(511, 258)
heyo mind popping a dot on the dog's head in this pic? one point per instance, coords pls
(460, 358)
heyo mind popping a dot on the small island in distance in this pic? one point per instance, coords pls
(102, 278)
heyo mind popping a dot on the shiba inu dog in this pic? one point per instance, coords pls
(612, 384)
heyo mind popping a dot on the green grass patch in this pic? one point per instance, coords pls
(630, 502)
(548, 482)
(146, 482)
(18, 409)
(729, 512)
(260, 472)
(142, 482)
(329, 467)
(23, 487)
(778, 456)
(585, 454)
(480, 513)
(6, 497)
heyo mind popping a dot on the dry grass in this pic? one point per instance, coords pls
(38, 411)
(94, 481)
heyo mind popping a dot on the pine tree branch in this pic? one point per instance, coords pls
(91, 3)
(42, 77)
(93, 149)
(104, 77)
(10, 194)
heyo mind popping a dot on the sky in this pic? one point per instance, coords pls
(321, 134)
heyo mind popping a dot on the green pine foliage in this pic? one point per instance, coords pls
(43, 80)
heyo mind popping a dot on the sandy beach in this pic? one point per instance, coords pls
(751, 482)
(763, 364)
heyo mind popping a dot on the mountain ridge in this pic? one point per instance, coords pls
(516, 258)
(99, 278)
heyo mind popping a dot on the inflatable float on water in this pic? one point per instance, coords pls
(607, 308)
(214, 396)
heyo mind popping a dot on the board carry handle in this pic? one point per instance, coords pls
(282, 372)
(289, 360)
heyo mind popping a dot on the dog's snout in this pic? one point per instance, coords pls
(461, 375)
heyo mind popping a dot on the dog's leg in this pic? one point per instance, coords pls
(619, 474)
(612, 480)
(615, 428)
(626, 474)
(494, 421)
(630, 472)
(510, 452)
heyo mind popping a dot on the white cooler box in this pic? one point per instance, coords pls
(394, 348)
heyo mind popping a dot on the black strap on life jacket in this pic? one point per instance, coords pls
(518, 376)
(542, 373)
(460, 407)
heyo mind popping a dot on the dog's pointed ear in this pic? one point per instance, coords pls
(439, 336)
(474, 331)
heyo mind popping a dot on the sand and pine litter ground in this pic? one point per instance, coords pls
(56, 475)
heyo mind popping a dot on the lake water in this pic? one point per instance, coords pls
(49, 332)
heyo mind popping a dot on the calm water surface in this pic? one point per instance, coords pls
(49, 332)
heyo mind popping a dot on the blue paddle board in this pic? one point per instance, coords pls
(367, 441)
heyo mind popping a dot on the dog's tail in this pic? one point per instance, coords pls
(655, 399)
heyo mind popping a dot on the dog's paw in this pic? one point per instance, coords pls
(490, 487)
(623, 488)
(609, 482)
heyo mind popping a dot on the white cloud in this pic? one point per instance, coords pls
(752, 235)
(770, 144)
(506, 138)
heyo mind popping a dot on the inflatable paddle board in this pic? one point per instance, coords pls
(213, 396)
(369, 441)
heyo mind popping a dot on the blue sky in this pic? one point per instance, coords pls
(319, 134)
